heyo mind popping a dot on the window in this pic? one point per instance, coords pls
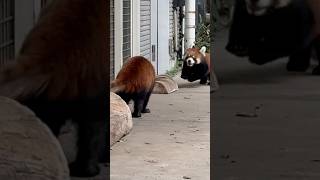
(126, 45)
(6, 31)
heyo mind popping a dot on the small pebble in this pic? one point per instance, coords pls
(152, 161)
(226, 156)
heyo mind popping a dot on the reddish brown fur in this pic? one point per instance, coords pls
(62, 73)
(197, 54)
(59, 49)
(135, 76)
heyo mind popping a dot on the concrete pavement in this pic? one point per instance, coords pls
(170, 143)
(266, 120)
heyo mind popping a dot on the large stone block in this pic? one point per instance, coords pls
(120, 118)
(164, 85)
(28, 149)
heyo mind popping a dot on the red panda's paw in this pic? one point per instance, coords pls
(136, 114)
(84, 170)
(147, 110)
(316, 70)
(237, 49)
(203, 81)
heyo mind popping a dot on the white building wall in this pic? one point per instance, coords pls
(164, 63)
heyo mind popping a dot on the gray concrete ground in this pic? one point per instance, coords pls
(170, 143)
(280, 138)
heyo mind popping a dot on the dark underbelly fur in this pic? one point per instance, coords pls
(140, 100)
(285, 32)
(196, 72)
(91, 115)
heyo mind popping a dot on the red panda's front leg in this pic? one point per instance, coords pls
(139, 103)
(203, 80)
(92, 135)
(146, 101)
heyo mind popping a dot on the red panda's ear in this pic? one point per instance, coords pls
(203, 50)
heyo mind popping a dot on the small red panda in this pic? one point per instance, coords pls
(61, 73)
(196, 65)
(135, 81)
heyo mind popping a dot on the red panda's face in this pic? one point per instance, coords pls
(194, 56)
(261, 7)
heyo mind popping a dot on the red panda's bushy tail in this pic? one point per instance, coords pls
(18, 84)
(116, 87)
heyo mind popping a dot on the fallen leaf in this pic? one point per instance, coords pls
(151, 161)
(122, 140)
(247, 115)
(192, 126)
(226, 156)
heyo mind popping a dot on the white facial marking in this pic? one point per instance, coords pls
(198, 60)
(190, 62)
(283, 3)
(260, 7)
(260, 3)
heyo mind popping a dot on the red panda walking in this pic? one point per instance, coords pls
(62, 73)
(196, 65)
(135, 81)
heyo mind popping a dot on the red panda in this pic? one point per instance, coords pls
(135, 81)
(267, 30)
(196, 65)
(62, 73)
